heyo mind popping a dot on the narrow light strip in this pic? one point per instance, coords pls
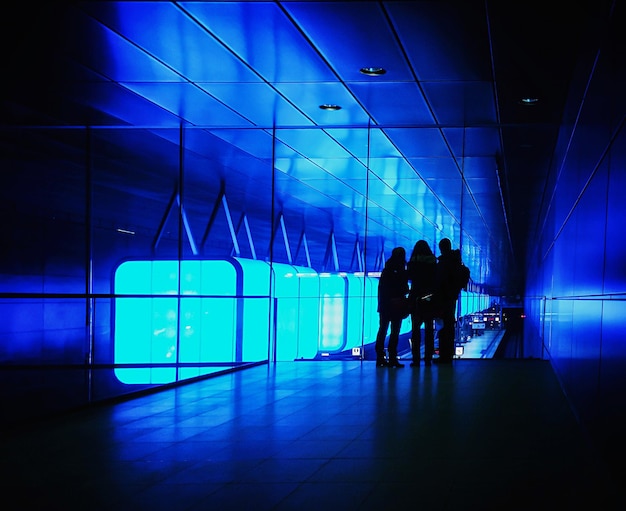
(125, 231)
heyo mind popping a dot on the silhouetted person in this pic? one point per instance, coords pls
(392, 285)
(447, 293)
(421, 270)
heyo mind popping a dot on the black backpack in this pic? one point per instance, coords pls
(462, 276)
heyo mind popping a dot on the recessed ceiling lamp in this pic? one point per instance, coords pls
(529, 101)
(373, 71)
(330, 107)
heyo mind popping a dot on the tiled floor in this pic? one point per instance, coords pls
(480, 434)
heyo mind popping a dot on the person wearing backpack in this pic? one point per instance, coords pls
(447, 292)
(421, 270)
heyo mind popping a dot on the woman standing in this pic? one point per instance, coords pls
(421, 270)
(393, 285)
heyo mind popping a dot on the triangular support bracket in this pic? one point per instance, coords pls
(281, 223)
(221, 201)
(303, 243)
(331, 253)
(175, 200)
(357, 255)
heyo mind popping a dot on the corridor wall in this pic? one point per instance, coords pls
(576, 284)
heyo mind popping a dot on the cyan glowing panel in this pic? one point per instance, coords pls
(149, 330)
(332, 310)
(296, 291)
(471, 301)
(355, 303)
(255, 310)
(370, 314)
(308, 332)
(286, 291)
(208, 314)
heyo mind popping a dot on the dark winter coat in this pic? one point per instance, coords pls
(422, 271)
(393, 283)
(447, 288)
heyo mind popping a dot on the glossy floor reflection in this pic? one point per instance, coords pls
(481, 434)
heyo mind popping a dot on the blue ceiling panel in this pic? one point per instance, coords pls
(483, 186)
(419, 142)
(359, 186)
(343, 193)
(444, 40)
(323, 194)
(167, 33)
(189, 103)
(476, 141)
(382, 193)
(274, 47)
(355, 205)
(125, 105)
(350, 39)
(461, 103)
(411, 189)
(342, 168)
(257, 102)
(310, 96)
(364, 143)
(113, 56)
(392, 103)
(435, 168)
(312, 143)
(480, 168)
(428, 207)
(204, 176)
(390, 169)
(256, 142)
(302, 169)
(381, 146)
(354, 140)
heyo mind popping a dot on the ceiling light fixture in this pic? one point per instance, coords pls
(529, 101)
(373, 71)
(330, 107)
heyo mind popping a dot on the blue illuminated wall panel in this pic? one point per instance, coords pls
(576, 276)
